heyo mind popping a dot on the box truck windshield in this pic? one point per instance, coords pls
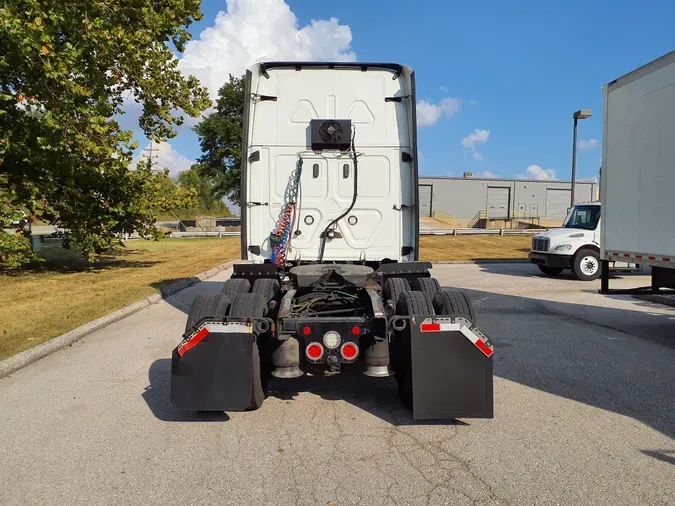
(583, 217)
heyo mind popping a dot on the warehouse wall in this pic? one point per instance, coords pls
(463, 198)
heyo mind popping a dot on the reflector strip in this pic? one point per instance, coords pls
(464, 330)
(487, 351)
(188, 345)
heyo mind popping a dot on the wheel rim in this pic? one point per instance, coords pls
(589, 265)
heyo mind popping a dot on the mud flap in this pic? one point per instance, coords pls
(211, 370)
(451, 369)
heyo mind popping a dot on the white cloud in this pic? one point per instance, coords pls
(428, 114)
(164, 156)
(536, 172)
(589, 144)
(477, 137)
(486, 174)
(444, 89)
(250, 31)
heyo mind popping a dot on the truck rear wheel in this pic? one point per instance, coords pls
(235, 286)
(454, 303)
(393, 288)
(586, 265)
(208, 305)
(267, 287)
(252, 305)
(551, 271)
(409, 304)
(428, 286)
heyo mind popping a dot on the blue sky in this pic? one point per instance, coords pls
(516, 69)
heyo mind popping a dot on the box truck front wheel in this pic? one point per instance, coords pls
(586, 265)
(252, 305)
(551, 271)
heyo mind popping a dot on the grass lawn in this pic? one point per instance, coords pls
(36, 305)
(436, 248)
(66, 292)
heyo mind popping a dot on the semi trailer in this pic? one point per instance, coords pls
(330, 277)
(638, 171)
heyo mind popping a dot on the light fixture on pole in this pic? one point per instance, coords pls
(581, 114)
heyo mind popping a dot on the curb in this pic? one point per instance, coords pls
(27, 357)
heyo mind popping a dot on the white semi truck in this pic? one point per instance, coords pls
(638, 173)
(330, 234)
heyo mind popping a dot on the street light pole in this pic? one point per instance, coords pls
(581, 114)
(574, 159)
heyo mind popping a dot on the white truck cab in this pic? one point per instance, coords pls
(575, 246)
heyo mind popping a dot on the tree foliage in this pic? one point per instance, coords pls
(220, 136)
(204, 188)
(66, 70)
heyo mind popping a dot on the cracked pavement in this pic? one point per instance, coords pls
(584, 414)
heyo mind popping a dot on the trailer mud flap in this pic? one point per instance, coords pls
(451, 369)
(211, 370)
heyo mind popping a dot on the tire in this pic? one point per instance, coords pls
(428, 286)
(393, 288)
(252, 305)
(267, 287)
(551, 271)
(210, 305)
(409, 304)
(454, 303)
(235, 286)
(586, 265)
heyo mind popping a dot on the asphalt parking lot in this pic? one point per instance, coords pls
(584, 414)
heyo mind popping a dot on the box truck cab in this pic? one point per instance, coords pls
(575, 246)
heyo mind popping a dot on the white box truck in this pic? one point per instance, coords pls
(330, 234)
(637, 181)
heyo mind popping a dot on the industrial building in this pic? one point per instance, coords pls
(500, 203)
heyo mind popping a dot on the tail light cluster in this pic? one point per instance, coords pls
(332, 340)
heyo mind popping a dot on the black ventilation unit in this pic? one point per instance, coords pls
(331, 134)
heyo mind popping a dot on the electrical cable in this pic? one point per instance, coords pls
(280, 238)
(351, 206)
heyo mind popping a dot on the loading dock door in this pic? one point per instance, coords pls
(425, 199)
(498, 202)
(557, 203)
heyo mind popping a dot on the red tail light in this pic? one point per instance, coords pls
(306, 331)
(356, 331)
(314, 351)
(349, 351)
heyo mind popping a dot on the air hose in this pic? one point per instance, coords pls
(280, 238)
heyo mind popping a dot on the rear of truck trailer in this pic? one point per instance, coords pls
(638, 170)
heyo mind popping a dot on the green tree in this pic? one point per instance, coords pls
(204, 189)
(66, 69)
(220, 136)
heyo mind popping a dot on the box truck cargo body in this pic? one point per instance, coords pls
(638, 172)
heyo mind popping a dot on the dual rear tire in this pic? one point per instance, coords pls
(236, 304)
(426, 298)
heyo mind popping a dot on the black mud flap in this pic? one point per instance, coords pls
(451, 369)
(211, 370)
